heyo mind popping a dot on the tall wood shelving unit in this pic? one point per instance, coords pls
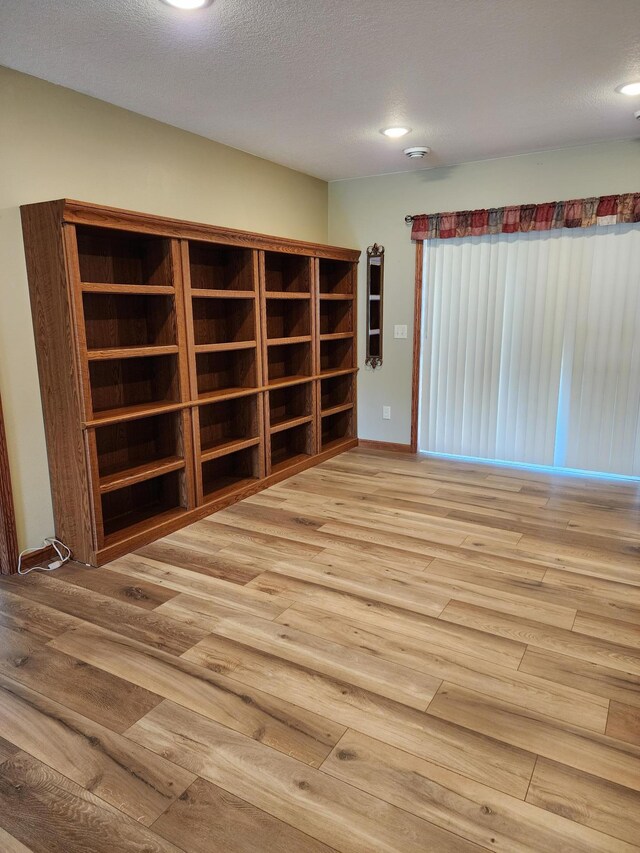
(182, 366)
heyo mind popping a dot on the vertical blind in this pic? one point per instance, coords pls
(532, 348)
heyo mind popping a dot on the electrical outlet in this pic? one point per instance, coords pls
(400, 332)
(386, 413)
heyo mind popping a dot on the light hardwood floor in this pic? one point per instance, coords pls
(384, 653)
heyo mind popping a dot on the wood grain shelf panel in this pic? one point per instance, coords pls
(226, 488)
(289, 423)
(139, 473)
(141, 522)
(226, 447)
(211, 293)
(339, 297)
(340, 371)
(224, 394)
(129, 413)
(128, 289)
(289, 462)
(131, 352)
(286, 294)
(336, 443)
(226, 347)
(283, 381)
(334, 410)
(300, 339)
(336, 336)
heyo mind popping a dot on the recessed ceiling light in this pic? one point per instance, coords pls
(188, 4)
(395, 132)
(629, 88)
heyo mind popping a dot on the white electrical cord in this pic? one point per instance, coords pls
(58, 547)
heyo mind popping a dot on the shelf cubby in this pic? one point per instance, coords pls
(290, 446)
(222, 321)
(110, 256)
(336, 355)
(128, 383)
(288, 318)
(336, 429)
(336, 391)
(228, 423)
(335, 317)
(288, 273)
(216, 267)
(135, 449)
(336, 277)
(127, 509)
(115, 320)
(230, 472)
(290, 405)
(227, 372)
(287, 362)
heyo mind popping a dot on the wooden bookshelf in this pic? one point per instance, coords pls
(198, 366)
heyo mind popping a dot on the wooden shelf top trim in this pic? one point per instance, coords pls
(210, 293)
(290, 423)
(334, 410)
(226, 447)
(110, 353)
(226, 347)
(295, 339)
(139, 473)
(128, 289)
(77, 212)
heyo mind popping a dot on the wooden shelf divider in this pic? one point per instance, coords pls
(202, 365)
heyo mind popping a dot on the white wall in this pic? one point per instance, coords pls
(55, 143)
(372, 210)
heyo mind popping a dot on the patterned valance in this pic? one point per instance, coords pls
(577, 213)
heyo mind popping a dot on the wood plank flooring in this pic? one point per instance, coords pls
(383, 654)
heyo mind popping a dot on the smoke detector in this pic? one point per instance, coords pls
(417, 153)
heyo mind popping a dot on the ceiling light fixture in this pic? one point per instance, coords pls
(188, 5)
(395, 132)
(629, 88)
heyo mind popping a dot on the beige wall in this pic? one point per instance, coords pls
(56, 143)
(368, 210)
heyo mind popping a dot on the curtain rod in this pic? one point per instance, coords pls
(409, 218)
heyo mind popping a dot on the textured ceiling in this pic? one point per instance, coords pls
(309, 83)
